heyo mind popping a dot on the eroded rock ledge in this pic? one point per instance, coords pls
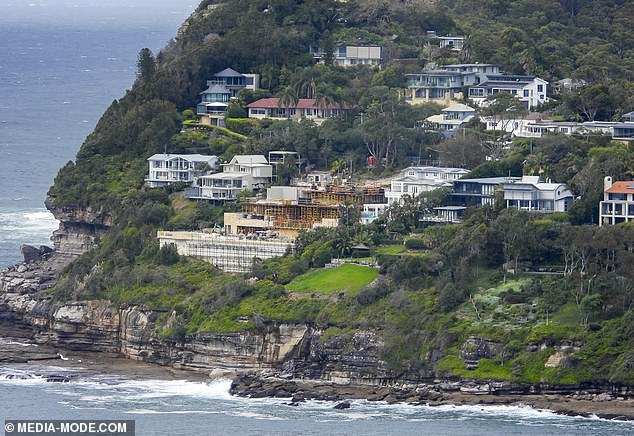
(276, 360)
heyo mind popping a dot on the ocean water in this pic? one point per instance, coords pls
(62, 63)
(177, 407)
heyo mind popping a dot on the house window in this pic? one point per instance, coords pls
(540, 88)
(526, 93)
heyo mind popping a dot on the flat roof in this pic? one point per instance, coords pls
(489, 180)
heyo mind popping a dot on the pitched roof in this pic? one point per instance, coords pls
(302, 103)
(216, 89)
(189, 157)
(621, 188)
(458, 107)
(228, 72)
(251, 159)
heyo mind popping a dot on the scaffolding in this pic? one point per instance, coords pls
(229, 253)
(292, 215)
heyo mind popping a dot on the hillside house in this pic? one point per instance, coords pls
(307, 108)
(353, 55)
(416, 180)
(454, 43)
(166, 169)
(473, 68)
(624, 131)
(530, 193)
(440, 86)
(535, 126)
(446, 85)
(222, 87)
(530, 90)
(244, 172)
(618, 202)
(478, 192)
(452, 117)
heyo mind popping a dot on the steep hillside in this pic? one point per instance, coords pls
(441, 306)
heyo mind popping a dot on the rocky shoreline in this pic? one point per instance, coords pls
(277, 360)
(463, 392)
(296, 392)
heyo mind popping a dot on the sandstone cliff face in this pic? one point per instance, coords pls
(294, 350)
(78, 230)
(276, 360)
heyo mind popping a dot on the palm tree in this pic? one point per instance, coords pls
(306, 82)
(287, 99)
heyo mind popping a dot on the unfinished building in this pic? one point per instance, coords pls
(288, 210)
(229, 253)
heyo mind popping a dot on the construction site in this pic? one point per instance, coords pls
(288, 210)
(229, 253)
(267, 227)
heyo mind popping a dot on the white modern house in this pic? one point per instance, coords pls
(245, 172)
(530, 193)
(166, 169)
(452, 117)
(618, 202)
(530, 90)
(534, 126)
(416, 180)
(454, 43)
(352, 55)
(446, 85)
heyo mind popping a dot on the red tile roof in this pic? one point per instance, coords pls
(302, 103)
(621, 188)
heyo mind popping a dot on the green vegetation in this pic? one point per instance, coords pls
(347, 278)
(435, 287)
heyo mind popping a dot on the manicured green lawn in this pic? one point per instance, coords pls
(347, 278)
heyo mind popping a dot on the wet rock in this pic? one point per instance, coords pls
(298, 398)
(343, 405)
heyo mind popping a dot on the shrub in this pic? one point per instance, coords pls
(373, 293)
(241, 125)
(451, 297)
(415, 244)
(167, 255)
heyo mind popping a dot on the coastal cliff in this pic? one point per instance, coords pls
(79, 229)
(275, 359)
(494, 309)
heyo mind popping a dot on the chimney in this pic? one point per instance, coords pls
(607, 183)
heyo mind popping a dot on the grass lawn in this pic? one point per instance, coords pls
(391, 249)
(347, 278)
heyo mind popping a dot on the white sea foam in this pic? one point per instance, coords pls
(27, 226)
(155, 389)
